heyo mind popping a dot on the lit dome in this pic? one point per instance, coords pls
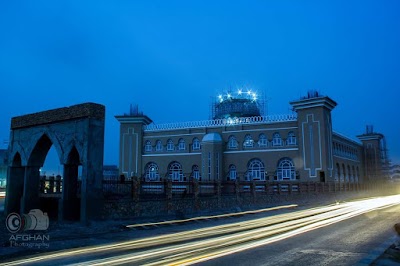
(234, 105)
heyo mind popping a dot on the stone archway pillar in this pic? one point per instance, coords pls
(69, 206)
(92, 172)
(15, 188)
(31, 187)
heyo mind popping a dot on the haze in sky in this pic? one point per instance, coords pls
(171, 57)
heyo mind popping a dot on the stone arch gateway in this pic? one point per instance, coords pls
(77, 133)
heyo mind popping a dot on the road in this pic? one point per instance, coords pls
(343, 243)
(330, 235)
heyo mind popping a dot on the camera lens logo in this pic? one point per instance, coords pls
(13, 222)
(34, 220)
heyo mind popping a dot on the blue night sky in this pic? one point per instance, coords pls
(170, 57)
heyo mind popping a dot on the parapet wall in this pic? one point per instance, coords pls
(85, 110)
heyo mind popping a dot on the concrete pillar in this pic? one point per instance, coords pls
(92, 200)
(196, 194)
(136, 186)
(15, 188)
(70, 204)
(168, 195)
(30, 198)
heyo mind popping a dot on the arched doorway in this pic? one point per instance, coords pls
(42, 190)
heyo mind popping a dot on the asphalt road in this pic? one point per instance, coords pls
(333, 235)
(343, 243)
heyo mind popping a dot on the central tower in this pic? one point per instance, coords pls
(242, 103)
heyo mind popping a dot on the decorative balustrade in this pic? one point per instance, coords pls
(222, 122)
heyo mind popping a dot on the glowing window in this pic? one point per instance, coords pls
(248, 141)
(276, 139)
(170, 145)
(232, 142)
(148, 146)
(196, 144)
(196, 172)
(152, 172)
(159, 146)
(286, 170)
(262, 140)
(232, 172)
(255, 170)
(175, 172)
(291, 140)
(181, 144)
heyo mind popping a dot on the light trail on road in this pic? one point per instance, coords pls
(194, 246)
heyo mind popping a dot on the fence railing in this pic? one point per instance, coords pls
(167, 189)
(139, 189)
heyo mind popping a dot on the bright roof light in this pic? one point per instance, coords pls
(229, 96)
(240, 92)
(220, 96)
(248, 92)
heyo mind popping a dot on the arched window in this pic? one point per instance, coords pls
(255, 170)
(337, 176)
(276, 139)
(175, 172)
(232, 172)
(170, 145)
(248, 141)
(291, 139)
(181, 144)
(152, 172)
(196, 172)
(262, 140)
(159, 146)
(148, 146)
(286, 170)
(196, 144)
(232, 142)
(353, 176)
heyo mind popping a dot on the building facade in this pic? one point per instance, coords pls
(297, 147)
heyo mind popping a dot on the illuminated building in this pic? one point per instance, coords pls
(240, 142)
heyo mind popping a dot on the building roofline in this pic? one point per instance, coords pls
(222, 122)
(346, 138)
